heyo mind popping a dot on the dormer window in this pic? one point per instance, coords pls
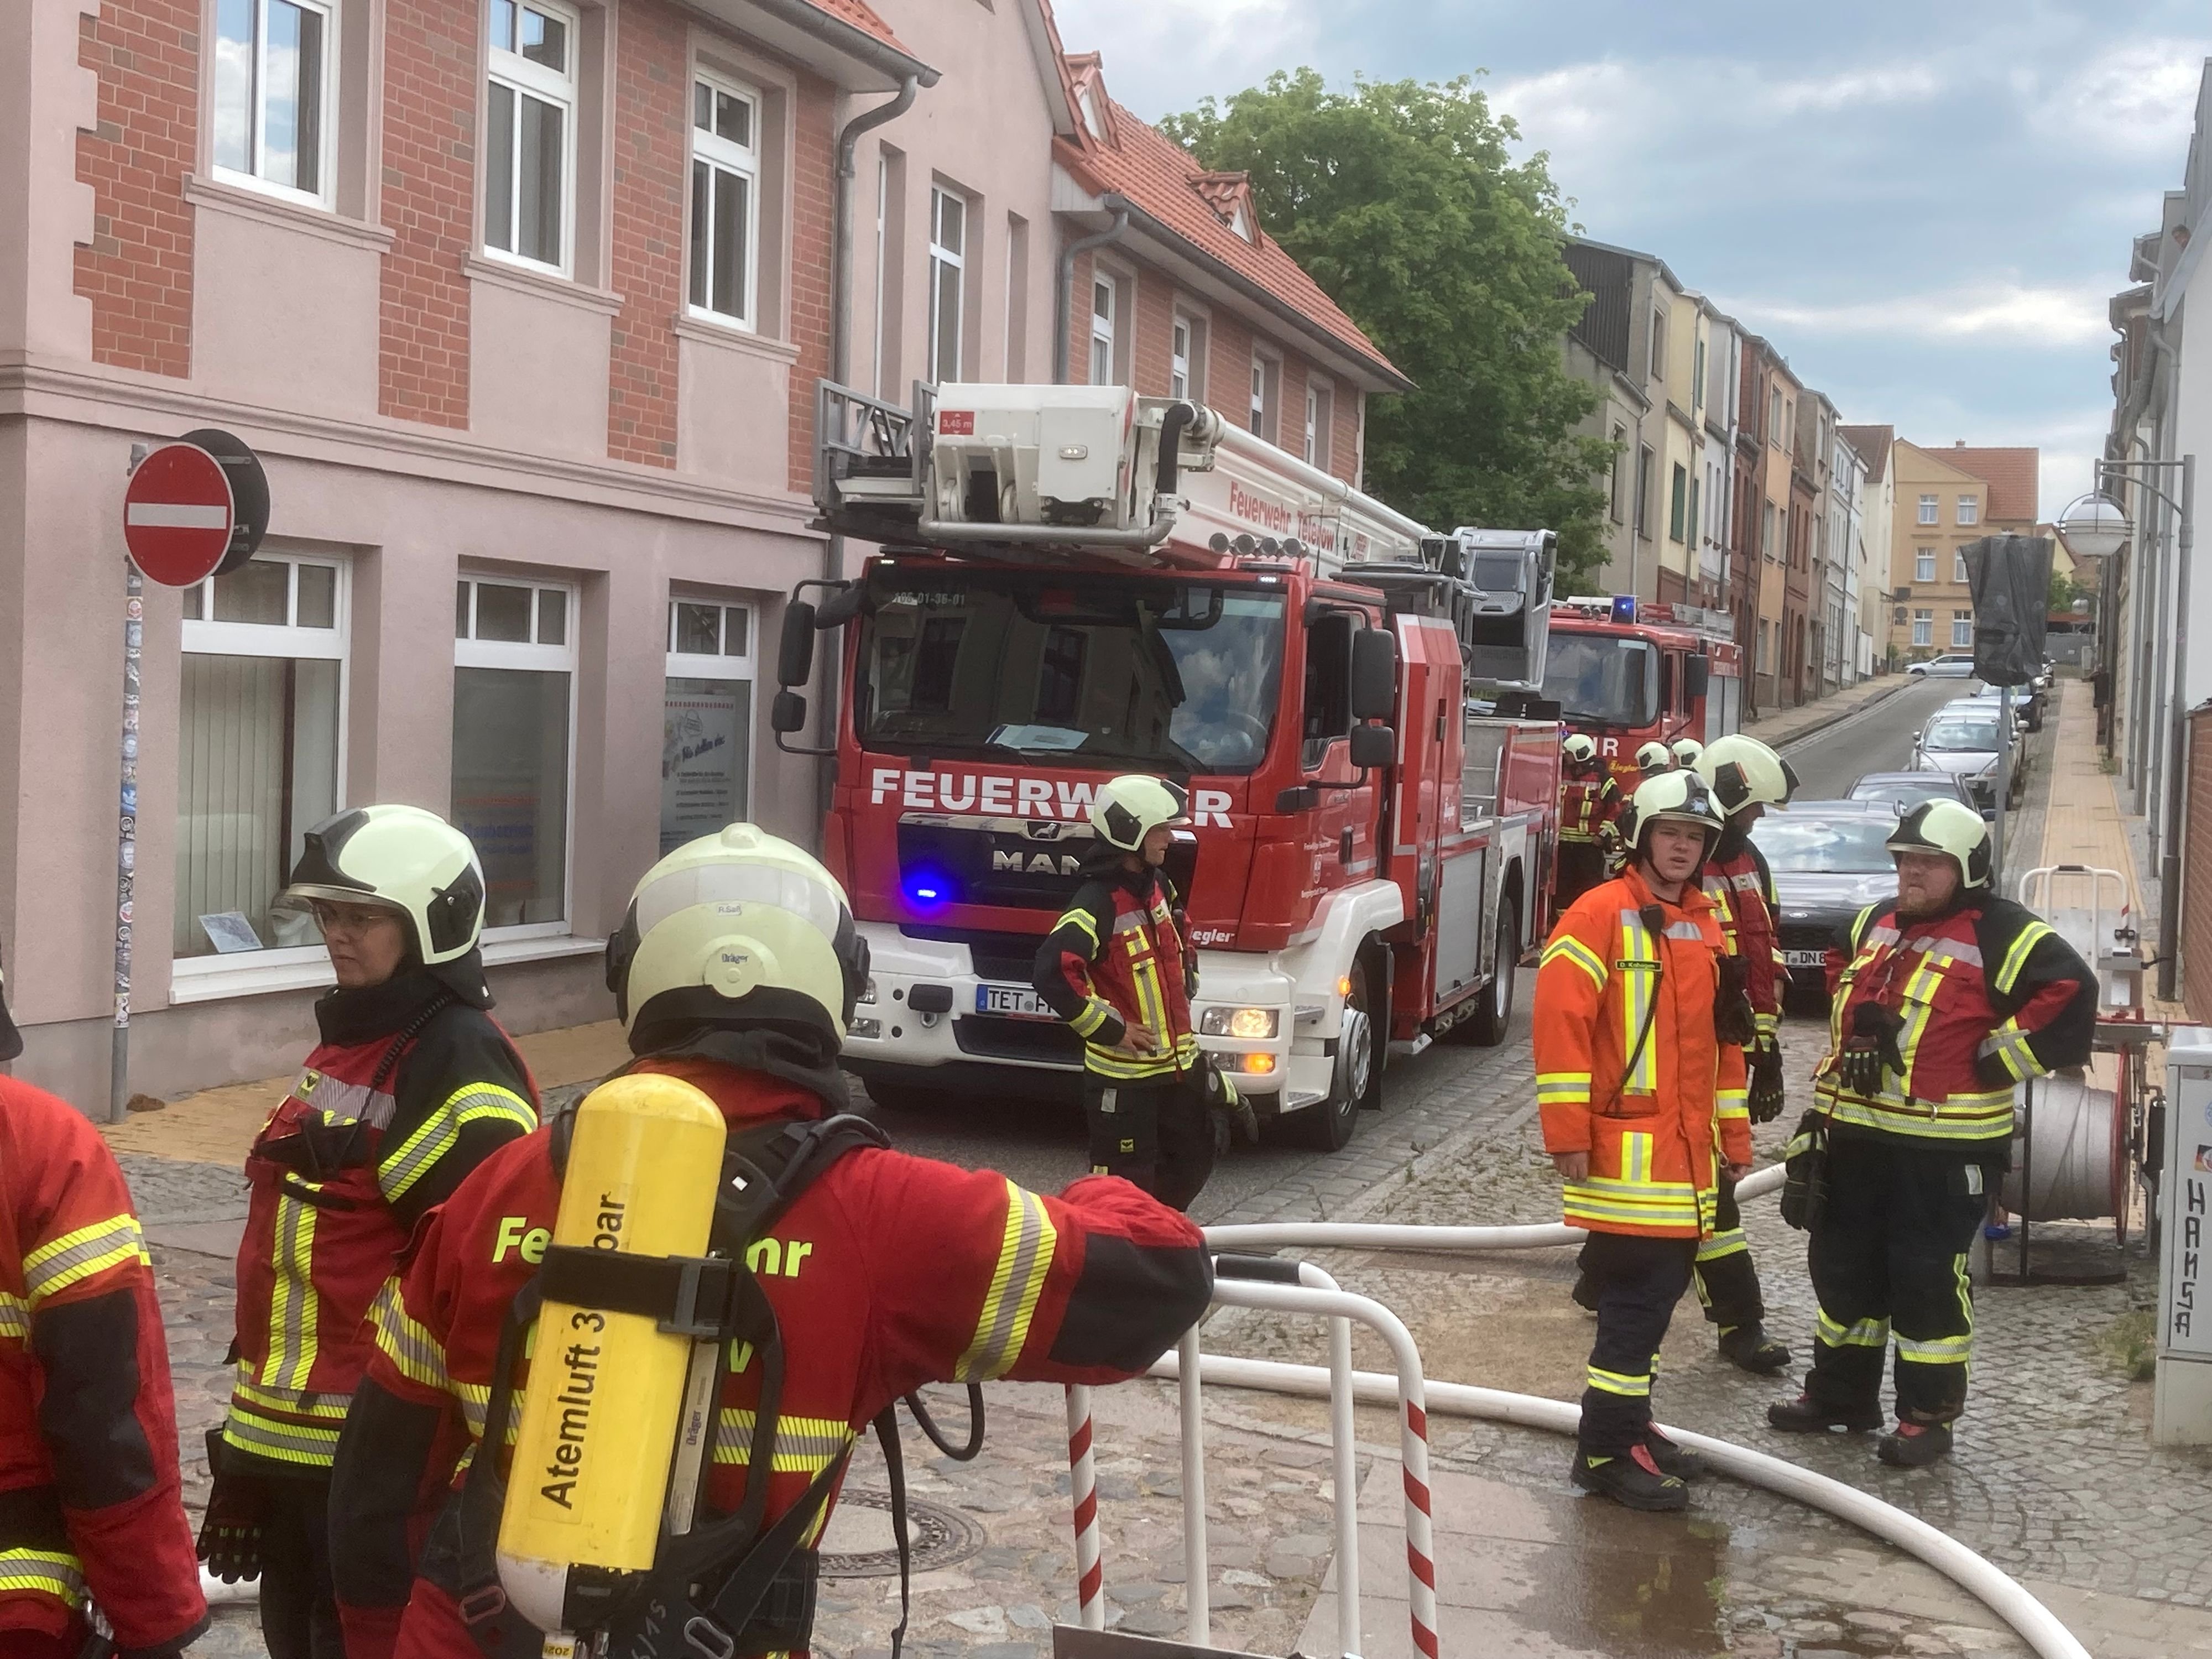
(1241, 221)
(1086, 100)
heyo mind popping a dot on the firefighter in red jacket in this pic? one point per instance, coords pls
(1949, 999)
(1119, 968)
(736, 971)
(1590, 801)
(91, 1508)
(411, 1087)
(1642, 1101)
(1746, 778)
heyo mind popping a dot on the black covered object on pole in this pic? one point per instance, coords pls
(2010, 579)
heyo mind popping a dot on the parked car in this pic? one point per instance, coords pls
(1963, 739)
(1906, 790)
(1992, 700)
(2027, 704)
(1951, 666)
(1829, 862)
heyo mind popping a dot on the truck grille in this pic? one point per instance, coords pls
(988, 1038)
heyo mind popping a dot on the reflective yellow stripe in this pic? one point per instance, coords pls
(293, 1303)
(1567, 948)
(1635, 1387)
(1937, 1351)
(1091, 1016)
(1861, 1334)
(1082, 919)
(1636, 1158)
(1564, 1088)
(288, 1443)
(1960, 1117)
(1731, 1243)
(332, 1406)
(472, 1102)
(46, 1572)
(1107, 1062)
(1637, 986)
(420, 1357)
(15, 1317)
(2015, 957)
(804, 1446)
(77, 1257)
(1025, 1254)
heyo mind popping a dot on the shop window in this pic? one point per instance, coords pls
(707, 727)
(514, 680)
(260, 752)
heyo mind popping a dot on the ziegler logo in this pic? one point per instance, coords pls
(1003, 795)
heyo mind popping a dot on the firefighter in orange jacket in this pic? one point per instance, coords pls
(410, 1087)
(90, 1500)
(1948, 997)
(1642, 1108)
(1590, 801)
(737, 970)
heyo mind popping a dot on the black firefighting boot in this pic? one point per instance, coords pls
(1913, 1445)
(1748, 1348)
(1805, 1415)
(1635, 1481)
(1584, 1293)
(1675, 1460)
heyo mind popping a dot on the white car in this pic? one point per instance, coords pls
(1962, 739)
(1951, 666)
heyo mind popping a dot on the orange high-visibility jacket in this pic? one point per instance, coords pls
(1651, 1131)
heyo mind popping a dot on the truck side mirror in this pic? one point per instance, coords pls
(1697, 674)
(1373, 747)
(788, 713)
(1374, 674)
(794, 656)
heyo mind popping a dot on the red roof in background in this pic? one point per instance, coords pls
(1165, 180)
(1872, 443)
(860, 16)
(2011, 475)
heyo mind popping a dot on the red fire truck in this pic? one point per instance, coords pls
(1627, 673)
(1076, 582)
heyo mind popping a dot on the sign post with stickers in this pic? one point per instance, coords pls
(2181, 1410)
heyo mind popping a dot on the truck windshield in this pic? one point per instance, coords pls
(1602, 679)
(1181, 675)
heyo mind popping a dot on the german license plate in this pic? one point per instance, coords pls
(1805, 958)
(1012, 1002)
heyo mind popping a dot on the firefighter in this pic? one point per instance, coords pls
(410, 1087)
(1590, 801)
(1686, 751)
(1951, 997)
(1746, 778)
(892, 1270)
(1119, 967)
(1638, 1089)
(1653, 760)
(91, 1504)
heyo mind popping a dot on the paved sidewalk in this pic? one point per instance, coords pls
(1786, 725)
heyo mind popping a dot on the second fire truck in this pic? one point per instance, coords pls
(1076, 582)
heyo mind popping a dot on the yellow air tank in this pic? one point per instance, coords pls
(606, 1391)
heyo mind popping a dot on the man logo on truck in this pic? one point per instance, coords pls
(1038, 864)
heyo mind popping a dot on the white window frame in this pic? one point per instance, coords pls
(883, 254)
(1179, 341)
(1924, 564)
(1970, 510)
(941, 255)
(1321, 416)
(324, 196)
(1266, 397)
(1962, 630)
(1924, 627)
(1103, 327)
(472, 653)
(522, 78)
(1931, 509)
(201, 979)
(744, 161)
(695, 666)
(1959, 566)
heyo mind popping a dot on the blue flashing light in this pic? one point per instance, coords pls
(926, 888)
(1624, 607)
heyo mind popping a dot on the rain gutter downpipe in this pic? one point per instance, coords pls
(1063, 288)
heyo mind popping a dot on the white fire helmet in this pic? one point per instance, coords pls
(1580, 749)
(1950, 827)
(1686, 751)
(1128, 808)
(1652, 759)
(403, 859)
(1671, 797)
(1740, 770)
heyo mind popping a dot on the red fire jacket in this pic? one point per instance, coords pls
(89, 1495)
(1116, 958)
(1590, 801)
(1741, 887)
(887, 1273)
(391, 1112)
(1989, 997)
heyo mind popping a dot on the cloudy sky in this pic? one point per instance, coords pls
(1924, 204)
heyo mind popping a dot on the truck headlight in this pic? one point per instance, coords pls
(1253, 1024)
(870, 1029)
(867, 997)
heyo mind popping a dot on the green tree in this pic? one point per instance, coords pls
(2063, 591)
(1405, 203)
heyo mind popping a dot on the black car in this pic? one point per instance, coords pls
(1906, 790)
(1829, 863)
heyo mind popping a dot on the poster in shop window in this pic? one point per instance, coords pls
(704, 758)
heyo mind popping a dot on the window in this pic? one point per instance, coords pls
(260, 749)
(529, 122)
(1767, 530)
(890, 266)
(273, 84)
(1923, 628)
(1620, 455)
(1678, 502)
(1320, 415)
(725, 200)
(1017, 294)
(1957, 565)
(1101, 330)
(1179, 359)
(1765, 662)
(1659, 345)
(1970, 510)
(1266, 387)
(707, 727)
(1924, 564)
(1327, 701)
(515, 678)
(1962, 630)
(1698, 379)
(1644, 459)
(948, 236)
(1690, 519)
(1928, 510)
(1774, 417)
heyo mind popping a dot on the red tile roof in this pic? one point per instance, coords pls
(2011, 474)
(860, 16)
(1164, 181)
(1872, 443)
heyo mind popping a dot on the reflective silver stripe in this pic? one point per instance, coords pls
(1688, 930)
(61, 1262)
(287, 1441)
(804, 1446)
(1025, 1254)
(292, 1302)
(344, 1102)
(407, 1344)
(51, 1572)
(15, 1317)
(442, 1129)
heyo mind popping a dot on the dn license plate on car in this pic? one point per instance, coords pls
(1805, 958)
(1012, 1002)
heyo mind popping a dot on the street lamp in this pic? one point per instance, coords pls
(2095, 526)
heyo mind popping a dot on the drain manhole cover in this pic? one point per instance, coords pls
(859, 1544)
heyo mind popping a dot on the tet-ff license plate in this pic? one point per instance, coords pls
(1805, 958)
(1012, 1002)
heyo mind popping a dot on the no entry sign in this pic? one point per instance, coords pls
(178, 512)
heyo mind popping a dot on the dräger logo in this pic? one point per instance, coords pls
(1001, 795)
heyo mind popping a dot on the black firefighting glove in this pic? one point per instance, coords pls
(1228, 1109)
(1871, 1049)
(1805, 1172)
(1764, 1061)
(230, 1537)
(1733, 1022)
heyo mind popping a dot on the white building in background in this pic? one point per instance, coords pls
(1846, 559)
(1723, 368)
(1877, 504)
